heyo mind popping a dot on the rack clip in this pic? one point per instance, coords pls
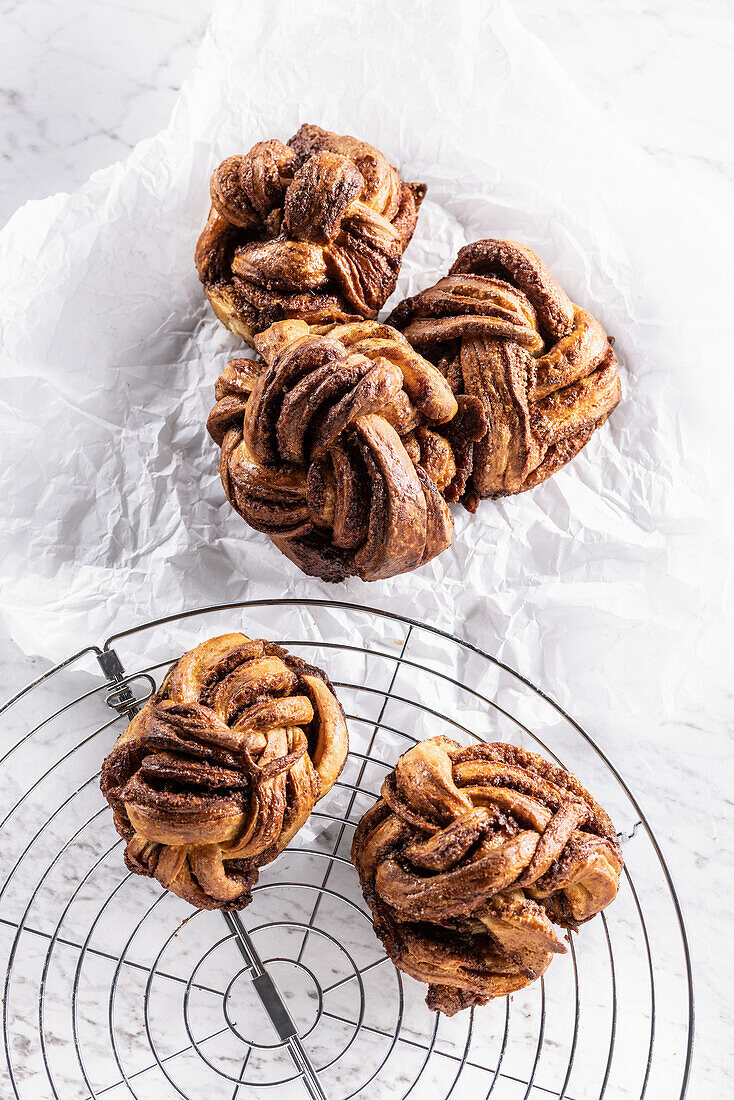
(111, 664)
(121, 697)
(274, 1005)
(624, 837)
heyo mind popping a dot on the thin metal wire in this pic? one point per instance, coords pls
(357, 973)
(153, 1065)
(51, 717)
(376, 727)
(503, 1048)
(47, 675)
(122, 699)
(245, 1061)
(113, 994)
(539, 1044)
(576, 1021)
(613, 1031)
(54, 766)
(21, 923)
(291, 885)
(296, 1049)
(77, 978)
(148, 988)
(47, 960)
(651, 971)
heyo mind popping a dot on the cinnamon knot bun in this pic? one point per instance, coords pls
(221, 768)
(501, 329)
(315, 228)
(335, 446)
(471, 856)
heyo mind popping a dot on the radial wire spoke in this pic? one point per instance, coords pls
(335, 847)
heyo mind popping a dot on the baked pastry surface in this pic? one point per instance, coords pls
(221, 768)
(315, 228)
(338, 446)
(502, 330)
(470, 857)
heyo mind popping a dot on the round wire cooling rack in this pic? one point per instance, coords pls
(116, 989)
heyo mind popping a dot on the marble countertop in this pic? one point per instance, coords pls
(83, 83)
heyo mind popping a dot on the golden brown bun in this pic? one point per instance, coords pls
(222, 767)
(314, 229)
(338, 447)
(468, 857)
(503, 331)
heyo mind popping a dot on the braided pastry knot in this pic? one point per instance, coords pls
(330, 448)
(502, 330)
(469, 855)
(313, 229)
(221, 768)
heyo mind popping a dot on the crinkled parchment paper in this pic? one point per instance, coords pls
(607, 578)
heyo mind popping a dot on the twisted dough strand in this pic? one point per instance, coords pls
(334, 446)
(221, 768)
(502, 330)
(467, 858)
(314, 229)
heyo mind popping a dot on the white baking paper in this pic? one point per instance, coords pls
(606, 585)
